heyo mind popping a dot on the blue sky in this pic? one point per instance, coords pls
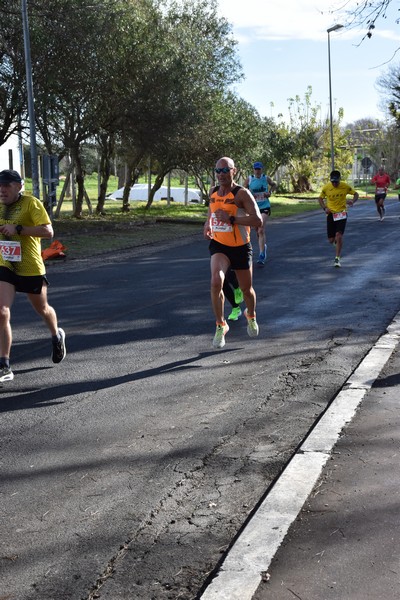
(283, 49)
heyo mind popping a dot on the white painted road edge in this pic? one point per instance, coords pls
(242, 570)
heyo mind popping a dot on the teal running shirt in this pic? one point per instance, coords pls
(258, 187)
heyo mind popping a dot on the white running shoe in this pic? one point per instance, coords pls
(6, 374)
(59, 349)
(219, 337)
(252, 326)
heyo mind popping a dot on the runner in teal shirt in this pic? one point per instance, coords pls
(261, 186)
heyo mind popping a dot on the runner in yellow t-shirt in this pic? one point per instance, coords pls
(23, 222)
(335, 193)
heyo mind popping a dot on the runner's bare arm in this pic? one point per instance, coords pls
(354, 200)
(40, 231)
(245, 200)
(322, 204)
(207, 227)
(272, 185)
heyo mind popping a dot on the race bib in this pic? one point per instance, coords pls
(217, 225)
(10, 250)
(340, 215)
(380, 190)
(259, 196)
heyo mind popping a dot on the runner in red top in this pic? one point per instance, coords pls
(382, 182)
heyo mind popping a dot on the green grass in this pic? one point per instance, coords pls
(96, 234)
(286, 207)
(87, 241)
(117, 231)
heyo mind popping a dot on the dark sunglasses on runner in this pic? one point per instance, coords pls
(223, 170)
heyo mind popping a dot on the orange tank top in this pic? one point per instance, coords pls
(225, 233)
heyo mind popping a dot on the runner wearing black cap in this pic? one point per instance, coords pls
(335, 208)
(23, 222)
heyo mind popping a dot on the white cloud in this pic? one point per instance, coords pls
(292, 20)
(280, 18)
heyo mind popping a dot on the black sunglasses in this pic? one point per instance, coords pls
(223, 170)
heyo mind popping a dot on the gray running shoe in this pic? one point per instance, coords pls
(59, 349)
(6, 374)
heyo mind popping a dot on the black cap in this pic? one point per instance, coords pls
(335, 175)
(10, 176)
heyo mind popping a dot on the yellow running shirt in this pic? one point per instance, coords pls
(336, 196)
(27, 211)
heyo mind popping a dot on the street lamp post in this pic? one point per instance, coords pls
(31, 109)
(333, 28)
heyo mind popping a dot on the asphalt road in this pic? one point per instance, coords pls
(128, 469)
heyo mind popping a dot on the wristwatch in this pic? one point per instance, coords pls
(232, 220)
(18, 229)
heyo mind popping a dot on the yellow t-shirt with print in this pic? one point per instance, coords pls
(27, 211)
(336, 196)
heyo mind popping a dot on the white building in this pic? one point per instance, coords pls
(11, 156)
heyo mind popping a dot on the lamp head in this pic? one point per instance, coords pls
(335, 28)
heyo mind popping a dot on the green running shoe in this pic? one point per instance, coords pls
(235, 314)
(238, 295)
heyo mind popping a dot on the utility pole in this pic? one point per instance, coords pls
(334, 28)
(31, 106)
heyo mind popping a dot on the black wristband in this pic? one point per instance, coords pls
(232, 220)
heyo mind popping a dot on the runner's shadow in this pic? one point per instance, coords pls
(23, 398)
(389, 381)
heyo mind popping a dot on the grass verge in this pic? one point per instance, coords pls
(96, 234)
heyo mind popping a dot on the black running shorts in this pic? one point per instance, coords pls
(26, 284)
(333, 227)
(240, 257)
(267, 211)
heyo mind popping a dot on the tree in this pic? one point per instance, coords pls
(72, 42)
(12, 70)
(231, 129)
(190, 59)
(368, 13)
(389, 86)
(306, 130)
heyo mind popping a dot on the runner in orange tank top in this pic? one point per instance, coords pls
(232, 212)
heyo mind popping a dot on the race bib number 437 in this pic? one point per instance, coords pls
(10, 250)
(339, 216)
